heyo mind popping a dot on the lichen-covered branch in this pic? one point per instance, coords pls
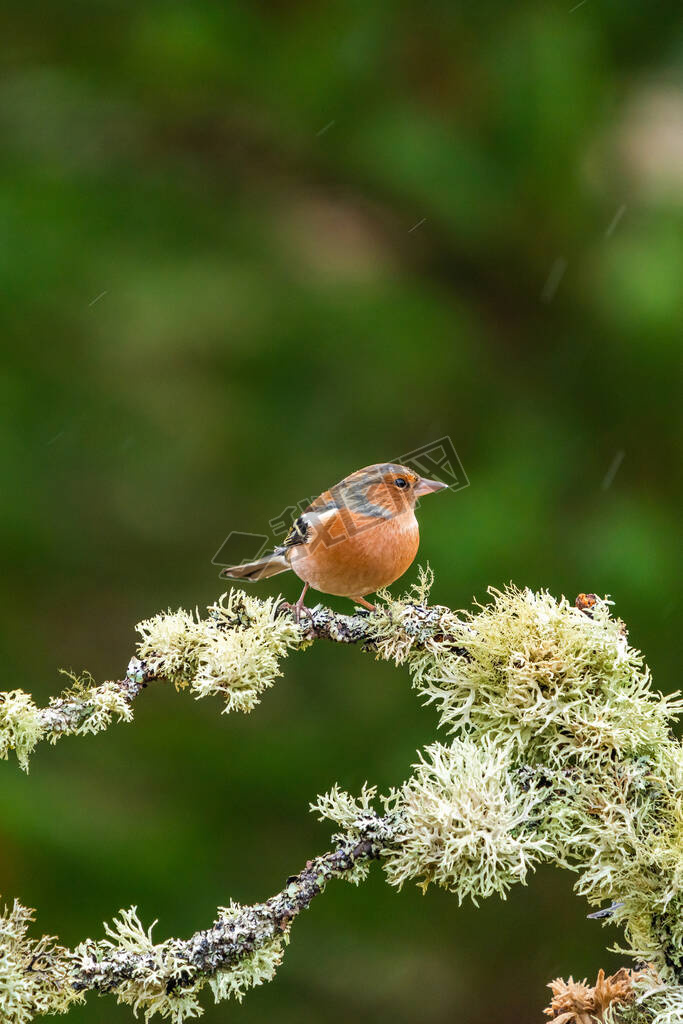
(560, 751)
(242, 948)
(233, 652)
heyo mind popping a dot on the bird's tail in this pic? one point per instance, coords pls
(261, 569)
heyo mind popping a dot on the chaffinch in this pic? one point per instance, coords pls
(354, 539)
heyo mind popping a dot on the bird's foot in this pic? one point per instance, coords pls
(300, 608)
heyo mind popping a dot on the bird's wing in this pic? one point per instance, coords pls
(302, 529)
(299, 533)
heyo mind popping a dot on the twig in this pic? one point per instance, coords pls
(91, 708)
(68, 714)
(235, 936)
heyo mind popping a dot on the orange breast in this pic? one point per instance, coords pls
(351, 555)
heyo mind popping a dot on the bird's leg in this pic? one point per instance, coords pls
(299, 606)
(366, 604)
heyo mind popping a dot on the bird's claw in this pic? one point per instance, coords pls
(300, 610)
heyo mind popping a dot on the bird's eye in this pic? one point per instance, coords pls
(401, 481)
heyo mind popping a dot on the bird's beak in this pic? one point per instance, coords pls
(427, 486)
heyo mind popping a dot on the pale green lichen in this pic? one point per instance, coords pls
(656, 1003)
(234, 653)
(15, 988)
(20, 726)
(160, 979)
(255, 969)
(563, 752)
(82, 708)
(463, 806)
(252, 970)
(462, 820)
(33, 972)
(147, 986)
(97, 706)
(536, 670)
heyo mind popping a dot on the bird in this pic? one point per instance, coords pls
(354, 539)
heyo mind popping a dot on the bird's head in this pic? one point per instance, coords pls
(387, 486)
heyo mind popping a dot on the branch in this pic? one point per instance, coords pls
(560, 752)
(236, 935)
(210, 656)
(70, 713)
(420, 620)
(242, 948)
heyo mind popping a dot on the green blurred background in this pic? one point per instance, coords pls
(246, 249)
